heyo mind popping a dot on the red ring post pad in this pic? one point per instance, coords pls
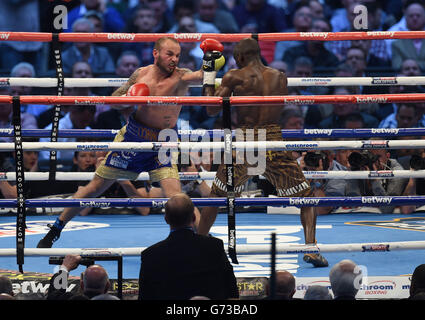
(369, 201)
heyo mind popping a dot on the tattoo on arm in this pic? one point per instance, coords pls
(124, 88)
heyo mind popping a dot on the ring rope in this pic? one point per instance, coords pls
(218, 101)
(292, 82)
(188, 176)
(242, 248)
(366, 201)
(197, 37)
(286, 133)
(216, 146)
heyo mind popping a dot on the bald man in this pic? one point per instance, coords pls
(285, 286)
(185, 264)
(345, 278)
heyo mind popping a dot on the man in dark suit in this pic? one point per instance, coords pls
(185, 264)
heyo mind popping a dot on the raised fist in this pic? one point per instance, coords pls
(138, 89)
(211, 45)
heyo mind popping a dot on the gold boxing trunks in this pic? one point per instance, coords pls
(281, 169)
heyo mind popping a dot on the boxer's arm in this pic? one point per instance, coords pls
(228, 83)
(124, 88)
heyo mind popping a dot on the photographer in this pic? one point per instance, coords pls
(324, 161)
(375, 160)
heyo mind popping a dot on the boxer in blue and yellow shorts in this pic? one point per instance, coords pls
(162, 78)
(129, 164)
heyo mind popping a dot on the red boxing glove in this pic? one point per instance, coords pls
(211, 45)
(138, 89)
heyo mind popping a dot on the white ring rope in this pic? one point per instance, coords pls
(216, 146)
(185, 176)
(292, 82)
(252, 249)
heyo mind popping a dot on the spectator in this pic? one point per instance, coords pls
(184, 8)
(410, 48)
(374, 160)
(377, 47)
(21, 16)
(267, 17)
(114, 48)
(82, 69)
(284, 286)
(317, 9)
(314, 49)
(325, 161)
(345, 277)
(127, 63)
(371, 60)
(26, 70)
(78, 117)
(412, 20)
(6, 286)
(342, 110)
(94, 280)
(417, 284)
(96, 56)
(292, 118)
(84, 161)
(302, 21)
(185, 264)
(142, 21)
(279, 65)
(316, 292)
(105, 296)
(112, 20)
(209, 11)
(340, 16)
(407, 116)
(28, 121)
(164, 17)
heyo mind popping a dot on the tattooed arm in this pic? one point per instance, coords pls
(123, 89)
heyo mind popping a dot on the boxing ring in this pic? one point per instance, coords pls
(359, 236)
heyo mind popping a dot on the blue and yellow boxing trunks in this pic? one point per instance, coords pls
(129, 164)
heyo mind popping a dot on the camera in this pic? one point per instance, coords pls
(357, 160)
(312, 158)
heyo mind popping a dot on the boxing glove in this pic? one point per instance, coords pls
(138, 89)
(211, 45)
(212, 61)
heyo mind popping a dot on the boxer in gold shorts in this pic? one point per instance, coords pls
(253, 78)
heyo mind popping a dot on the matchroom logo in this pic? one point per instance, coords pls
(413, 224)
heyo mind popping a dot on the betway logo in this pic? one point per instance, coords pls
(196, 36)
(299, 101)
(4, 36)
(371, 100)
(303, 201)
(381, 33)
(91, 102)
(94, 204)
(328, 132)
(377, 200)
(386, 130)
(323, 35)
(121, 36)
